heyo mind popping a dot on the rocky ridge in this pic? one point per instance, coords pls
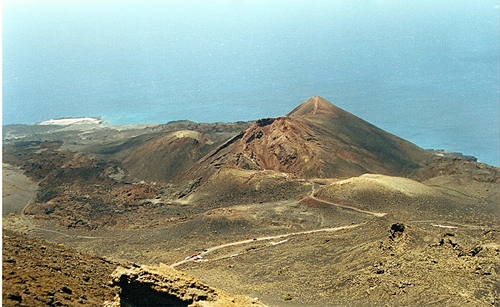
(165, 286)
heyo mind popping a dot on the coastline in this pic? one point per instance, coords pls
(452, 154)
(71, 121)
(91, 123)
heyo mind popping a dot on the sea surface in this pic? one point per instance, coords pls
(427, 71)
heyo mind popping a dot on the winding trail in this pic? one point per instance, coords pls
(25, 218)
(20, 193)
(377, 214)
(452, 224)
(312, 196)
(283, 236)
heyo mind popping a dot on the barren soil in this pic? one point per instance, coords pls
(38, 273)
(276, 210)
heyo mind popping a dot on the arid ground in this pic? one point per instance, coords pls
(316, 208)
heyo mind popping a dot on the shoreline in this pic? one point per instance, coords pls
(99, 122)
(71, 121)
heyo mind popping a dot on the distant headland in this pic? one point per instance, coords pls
(72, 121)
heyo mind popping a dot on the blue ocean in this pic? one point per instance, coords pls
(427, 71)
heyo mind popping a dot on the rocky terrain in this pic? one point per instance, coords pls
(38, 273)
(164, 286)
(315, 208)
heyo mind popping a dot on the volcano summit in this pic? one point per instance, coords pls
(316, 139)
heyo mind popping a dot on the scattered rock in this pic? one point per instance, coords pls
(67, 290)
(43, 276)
(475, 251)
(287, 297)
(15, 297)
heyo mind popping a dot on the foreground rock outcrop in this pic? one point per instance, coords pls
(165, 286)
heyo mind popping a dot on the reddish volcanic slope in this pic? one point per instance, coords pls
(316, 139)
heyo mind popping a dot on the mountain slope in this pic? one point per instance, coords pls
(167, 157)
(316, 139)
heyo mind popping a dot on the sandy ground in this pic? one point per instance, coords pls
(17, 190)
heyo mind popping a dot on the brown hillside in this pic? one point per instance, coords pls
(38, 273)
(167, 157)
(317, 139)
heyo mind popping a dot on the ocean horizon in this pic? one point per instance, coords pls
(425, 71)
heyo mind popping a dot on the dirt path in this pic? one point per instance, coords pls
(18, 193)
(377, 214)
(18, 190)
(451, 225)
(312, 196)
(282, 237)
